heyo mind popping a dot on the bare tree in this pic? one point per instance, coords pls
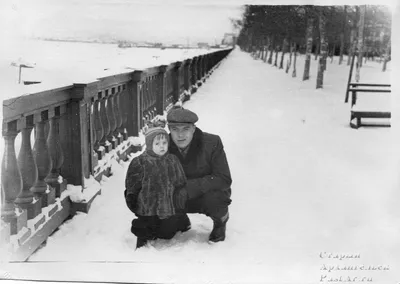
(353, 39)
(266, 49)
(294, 74)
(309, 36)
(387, 53)
(272, 47)
(342, 35)
(276, 56)
(289, 62)
(360, 41)
(284, 49)
(323, 55)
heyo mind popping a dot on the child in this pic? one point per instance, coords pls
(150, 183)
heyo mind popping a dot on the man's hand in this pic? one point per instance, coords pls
(180, 198)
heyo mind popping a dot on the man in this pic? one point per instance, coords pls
(205, 165)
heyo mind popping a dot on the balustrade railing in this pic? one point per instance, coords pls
(78, 130)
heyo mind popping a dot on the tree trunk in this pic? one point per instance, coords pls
(342, 36)
(266, 50)
(360, 42)
(276, 56)
(290, 58)
(341, 48)
(294, 74)
(317, 49)
(353, 37)
(351, 46)
(284, 48)
(309, 36)
(260, 48)
(272, 46)
(387, 53)
(324, 46)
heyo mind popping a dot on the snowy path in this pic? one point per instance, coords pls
(305, 183)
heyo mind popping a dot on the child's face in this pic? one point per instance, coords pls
(160, 145)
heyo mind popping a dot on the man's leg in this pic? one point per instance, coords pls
(215, 205)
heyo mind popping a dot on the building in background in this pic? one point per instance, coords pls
(229, 39)
(203, 45)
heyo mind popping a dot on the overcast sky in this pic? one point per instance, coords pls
(139, 20)
(135, 20)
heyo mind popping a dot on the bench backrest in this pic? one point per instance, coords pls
(355, 88)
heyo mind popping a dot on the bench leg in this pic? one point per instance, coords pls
(358, 122)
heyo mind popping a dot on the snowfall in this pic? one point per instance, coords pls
(310, 194)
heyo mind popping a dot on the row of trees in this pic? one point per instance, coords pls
(363, 31)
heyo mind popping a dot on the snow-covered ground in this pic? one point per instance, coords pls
(307, 191)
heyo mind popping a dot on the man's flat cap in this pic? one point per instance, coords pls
(181, 115)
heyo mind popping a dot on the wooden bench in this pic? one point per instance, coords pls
(373, 110)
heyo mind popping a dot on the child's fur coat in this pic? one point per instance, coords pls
(151, 181)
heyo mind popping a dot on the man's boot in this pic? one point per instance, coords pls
(219, 229)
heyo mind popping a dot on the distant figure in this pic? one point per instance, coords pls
(151, 180)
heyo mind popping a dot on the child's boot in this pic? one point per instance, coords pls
(141, 242)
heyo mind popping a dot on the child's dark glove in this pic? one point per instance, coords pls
(180, 198)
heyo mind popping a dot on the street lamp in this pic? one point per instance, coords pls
(20, 66)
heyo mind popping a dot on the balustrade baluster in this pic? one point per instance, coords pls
(146, 98)
(93, 126)
(142, 102)
(118, 115)
(111, 119)
(28, 170)
(149, 96)
(54, 178)
(206, 66)
(193, 72)
(11, 180)
(42, 158)
(176, 82)
(157, 93)
(162, 90)
(94, 157)
(98, 126)
(199, 75)
(142, 96)
(124, 110)
(106, 125)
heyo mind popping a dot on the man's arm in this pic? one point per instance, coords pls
(220, 177)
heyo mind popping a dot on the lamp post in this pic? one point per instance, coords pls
(20, 66)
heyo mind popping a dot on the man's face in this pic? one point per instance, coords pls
(182, 134)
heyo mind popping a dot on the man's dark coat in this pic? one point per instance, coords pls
(205, 164)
